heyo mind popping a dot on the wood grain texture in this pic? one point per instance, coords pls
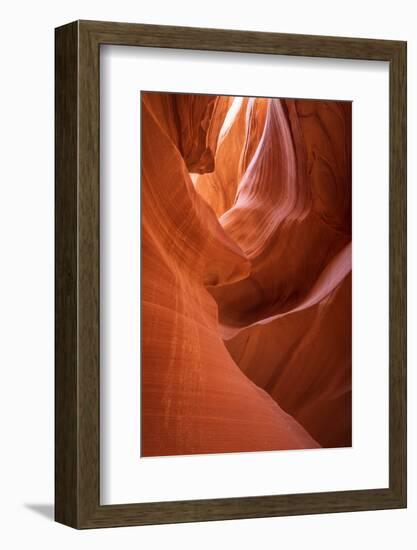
(77, 274)
(66, 318)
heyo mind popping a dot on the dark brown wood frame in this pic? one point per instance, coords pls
(77, 436)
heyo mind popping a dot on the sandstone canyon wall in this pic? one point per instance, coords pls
(246, 274)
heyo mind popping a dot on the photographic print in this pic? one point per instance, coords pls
(246, 266)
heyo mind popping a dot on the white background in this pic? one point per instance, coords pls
(26, 289)
(127, 478)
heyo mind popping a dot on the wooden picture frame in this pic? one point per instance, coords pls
(77, 374)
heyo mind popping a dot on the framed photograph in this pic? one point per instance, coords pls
(230, 274)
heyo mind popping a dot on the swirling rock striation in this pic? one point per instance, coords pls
(246, 274)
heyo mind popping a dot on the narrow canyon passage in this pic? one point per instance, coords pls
(246, 274)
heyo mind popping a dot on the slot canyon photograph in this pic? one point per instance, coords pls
(246, 274)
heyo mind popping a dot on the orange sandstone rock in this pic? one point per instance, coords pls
(246, 293)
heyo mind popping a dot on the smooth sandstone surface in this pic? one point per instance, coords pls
(246, 274)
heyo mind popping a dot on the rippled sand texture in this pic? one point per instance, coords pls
(246, 274)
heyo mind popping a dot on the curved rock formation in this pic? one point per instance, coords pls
(246, 261)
